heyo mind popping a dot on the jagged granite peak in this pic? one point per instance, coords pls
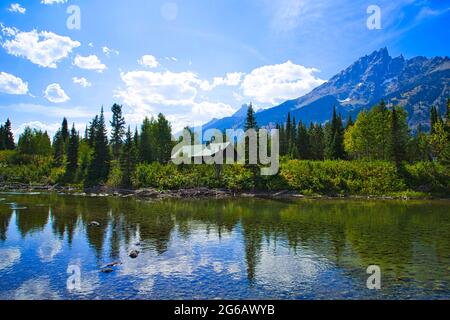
(415, 84)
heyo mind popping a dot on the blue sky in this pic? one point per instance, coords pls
(192, 60)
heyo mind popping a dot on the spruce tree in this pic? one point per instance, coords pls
(136, 138)
(316, 136)
(86, 134)
(60, 143)
(288, 133)
(98, 170)
(2, 138)
(58, 149)
(128, 159)
(334, 141)
(303, 142)
(340, 151)
(283, 143)
(8, 136)
(293, 148)
(250, 121)
(146, 142)
(91, 134)
(65, 132)
(164, 138)
(398, 141)
(118, 130)
(72, 155)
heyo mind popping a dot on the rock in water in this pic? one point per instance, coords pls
(107, 270)
(112, 264)
(134, 254)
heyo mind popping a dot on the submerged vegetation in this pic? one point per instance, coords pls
(374, 155)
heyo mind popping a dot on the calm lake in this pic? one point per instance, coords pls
(221, 249)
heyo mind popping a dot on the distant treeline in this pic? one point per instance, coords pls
(378, 138)
(378, 134)
(89, 159)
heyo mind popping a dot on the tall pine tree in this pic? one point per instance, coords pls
(334, 140)
(72, 155)
(136, 138)
(58, 149)
(99, 167)
(303, 142)
(91, 132)
(147, 144)
(316, 136)
(2, 137)
(117, 130)
(128, 159)
(8, 136)
(65, 132)
(164, 138)
(398, 139)
(288, 134)
(60, 143)
(250, 121)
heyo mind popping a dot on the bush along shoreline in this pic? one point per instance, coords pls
(297, 178)
(377, 155)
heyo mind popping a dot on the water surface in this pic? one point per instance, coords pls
(222, 249)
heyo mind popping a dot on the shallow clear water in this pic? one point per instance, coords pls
(222, 249)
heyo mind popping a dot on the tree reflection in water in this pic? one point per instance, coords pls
(408, 240)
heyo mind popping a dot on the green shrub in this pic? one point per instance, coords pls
(342, 177)
(237, 177)
(428, 177)
(6, 156)
(28, 169)
(115, 176)
(156, 175)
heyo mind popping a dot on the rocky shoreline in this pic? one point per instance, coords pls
(147, 193)
(193, 193)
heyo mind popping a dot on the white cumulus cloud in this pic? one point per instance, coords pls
(148, 61)
(54, 93)
(170, 88)
(276, 83)
(16, 7)
(42, 48)
(82, 82)
(230, 79)
(91, 62)
(174, 94)
(12, 85)
(8, 31)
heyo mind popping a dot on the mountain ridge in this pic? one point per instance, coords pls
(416, 84)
